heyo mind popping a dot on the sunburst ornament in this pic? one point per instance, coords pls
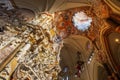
(81, 21)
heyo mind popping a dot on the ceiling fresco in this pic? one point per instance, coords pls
(35, 34)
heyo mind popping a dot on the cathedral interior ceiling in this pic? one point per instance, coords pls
(31, 38)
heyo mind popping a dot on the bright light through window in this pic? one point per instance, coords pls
(82, 21)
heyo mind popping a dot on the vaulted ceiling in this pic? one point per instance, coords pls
(57, 5)
(50, 5)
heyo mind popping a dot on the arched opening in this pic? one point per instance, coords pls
(69, 56)
(75, 48)
(111, 37)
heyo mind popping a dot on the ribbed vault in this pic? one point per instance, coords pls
(68, 53)
(50, 5)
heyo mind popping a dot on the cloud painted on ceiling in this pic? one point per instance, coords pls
(81, 21)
